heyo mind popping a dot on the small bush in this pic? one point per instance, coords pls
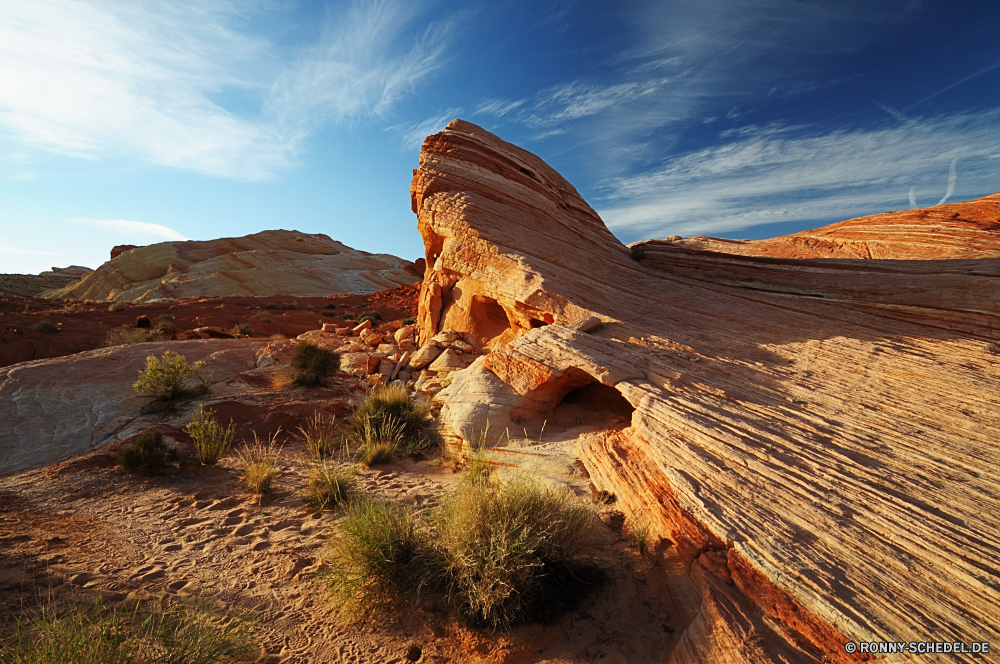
(389, 419)
(210, 440)
(499, 545)
(311, 364)
(409, 320)
(320, 436)
(347, 316)
(242, 328)
(372, 556)
(260, 464)
(289, 305)
(129, 634)
(45, 327)
(329, 486)
(164, 378)
(328, 314)
(118, 306)
(372, 315)
(271, 306)
(330, 305)
(123, 336)
(265, 320)
(167, 317)
(147, 453)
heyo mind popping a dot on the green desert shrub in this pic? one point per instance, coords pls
(330, 485)
(409, 320)
(265, 320)
(242, 328)
(164, 378)
(117, 306)
(310, 365)
(45, 327)
(347, 316)
(330, 305)
(128, 634)
(289, 305)
(372, 556)
(389, 417)
(209, 438)
(499, 546)
(123, 336)
(328, 314)
(259, 463)
(372, 315)
(271, 305)
(147, 453)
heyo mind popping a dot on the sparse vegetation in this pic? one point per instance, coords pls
(148, 452)
(117, 306)
(259, 460)
(164, 378)
(289, 305)
(328, 314)
(330, 485)
(330, 305)
(372, 556)
(128, 634)
(271, 305)
(209, 438)
(347, 316)
(372, 315)
(265, 320)
(242, 328)
(311, 364)
(409, 320)
(45, 327)
(320, 436)
(122, 336)
(639, 533)
(389, 421)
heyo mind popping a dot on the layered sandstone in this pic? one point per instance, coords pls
(29, 285)
(956, 230)
(815, 441)
(265, 263)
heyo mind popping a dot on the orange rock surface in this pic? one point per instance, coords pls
(265, 263)
(822, 466)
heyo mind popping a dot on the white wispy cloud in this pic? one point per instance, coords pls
(151, 79)
(498, 107)
(137, 228)
(783, 174)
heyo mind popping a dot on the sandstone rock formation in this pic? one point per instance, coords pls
(955, 230)
(266, 263)
(29, 285)
(823, 467)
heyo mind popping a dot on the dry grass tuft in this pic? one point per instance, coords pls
(320, 436)
(389, 422)
(330, 486)
(259, 461)
(123, 336)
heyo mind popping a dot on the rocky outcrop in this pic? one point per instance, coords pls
(821, 468)
(266, 263)
(30, 285)
(957, 230)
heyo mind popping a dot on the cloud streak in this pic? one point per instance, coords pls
(783, 174)
(140, 228)
(158, 80)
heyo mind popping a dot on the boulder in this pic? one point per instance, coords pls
(405, 332)
(461, 347)
(361, 327)
(424, 356)
(373, 339)
(330, 327)
(448, 360)
(444, 339)
(814, 441)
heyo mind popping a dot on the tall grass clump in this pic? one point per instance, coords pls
(330, 485)
(128, 634)
(148, 452)
(164, 378)
(123, 336)
(506, 550)
(209, 438)
(320, 436)
(311, 364)
(388, 418)
(372, 557)
(259, 461)
(379, 441)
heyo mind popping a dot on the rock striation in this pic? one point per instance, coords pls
(30, 285)
(815, 442)
(266, 263)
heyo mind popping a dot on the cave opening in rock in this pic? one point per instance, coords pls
(487, 319)
(594, 405)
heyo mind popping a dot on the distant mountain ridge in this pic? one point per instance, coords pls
(275, 262)
(30, 285)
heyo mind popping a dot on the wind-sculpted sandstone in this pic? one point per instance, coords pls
(814, 442)
(266, 263)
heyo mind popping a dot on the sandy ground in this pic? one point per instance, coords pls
(81, 528)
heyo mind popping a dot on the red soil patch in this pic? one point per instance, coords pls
(84, 326)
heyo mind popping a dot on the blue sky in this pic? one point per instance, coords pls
(138, 122)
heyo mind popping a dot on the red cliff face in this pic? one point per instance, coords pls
(815, 440)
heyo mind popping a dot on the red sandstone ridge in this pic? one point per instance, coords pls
(956, 230)
(120, 249)
(822, 466)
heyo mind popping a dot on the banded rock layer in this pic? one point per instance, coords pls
(265, 263)
(823, 467)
